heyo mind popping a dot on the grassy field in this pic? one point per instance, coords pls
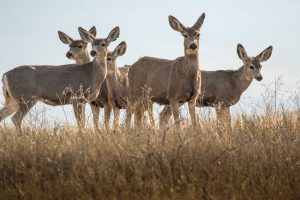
(258, 159)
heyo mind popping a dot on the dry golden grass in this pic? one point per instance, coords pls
(258, 159)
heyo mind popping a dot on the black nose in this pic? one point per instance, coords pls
(93, 53)
(259, 78)
(69, 55)
(193, 46)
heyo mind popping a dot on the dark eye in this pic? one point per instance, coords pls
(251, 67)
(198, 34)
(103, 44)
(80, 46)
(185, 35)
(109, 59)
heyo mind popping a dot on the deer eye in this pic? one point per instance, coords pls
(109, 59)
(103, 44)
(185, 35)
(251, 67)
(198, 35)
(80, 46)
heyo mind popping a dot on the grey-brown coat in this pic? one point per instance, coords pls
(168, 82)
(56, 85)
(223, 88)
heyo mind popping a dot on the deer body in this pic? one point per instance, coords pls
(56, 85)
(223, 88)
(170, 82)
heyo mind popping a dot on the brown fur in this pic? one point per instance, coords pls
(57, 85)
(168, 82)
(222, 89)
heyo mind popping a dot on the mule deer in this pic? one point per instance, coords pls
(78, 51)
(172, 82)
(222, 89)
(56, 85)
(78, 48)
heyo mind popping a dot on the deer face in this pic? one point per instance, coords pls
(252, 65)
(112, 56)
(78, 48)
(99, 46)
(191, 35)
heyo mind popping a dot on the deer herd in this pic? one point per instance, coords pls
(102, 84)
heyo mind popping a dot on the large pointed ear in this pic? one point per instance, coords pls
(120, 49)
(241, 52)
(265, 54)
(176, 25)
(85, 35)
(65, 38)
(199, 22)
(93, 31)
(114, 34)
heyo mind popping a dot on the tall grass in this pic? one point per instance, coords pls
(258, 158)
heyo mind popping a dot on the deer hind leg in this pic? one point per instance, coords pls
(8, 109)
(138, 117)
(23, 109)
(96, 111)
(107, 113)
(223, 116)
(128, 116)
(79, 110)
(164, 116)
(151, 114)
(11, 105)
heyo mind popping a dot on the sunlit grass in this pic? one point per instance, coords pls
(258, 159)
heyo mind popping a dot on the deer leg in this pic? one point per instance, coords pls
(116, 116)
(227, 116)
(138, 116)
(79, 110)
(128, 116)
(223, 115)
(175, 111)
(96, 111)
(164, 116)
(22, 111)
(7, 110)
(151, 114)
(107, 112)
(192, 111)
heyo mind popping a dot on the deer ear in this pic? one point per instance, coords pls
(85, 35)
(93, 31)
(176, 25)
(265, 54)
(241, 52)
(199, 22)
(120, 49)
(113, 35)
(64, 38)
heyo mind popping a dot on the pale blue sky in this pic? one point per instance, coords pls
(29, 32)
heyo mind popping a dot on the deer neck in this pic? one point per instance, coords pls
(83, 58)
(243, 80)
(191, 63)
(113, 70)
(99, 68)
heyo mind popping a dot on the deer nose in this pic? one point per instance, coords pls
(69, 55)
(193, 46)
(93, 53)
(259, 78)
